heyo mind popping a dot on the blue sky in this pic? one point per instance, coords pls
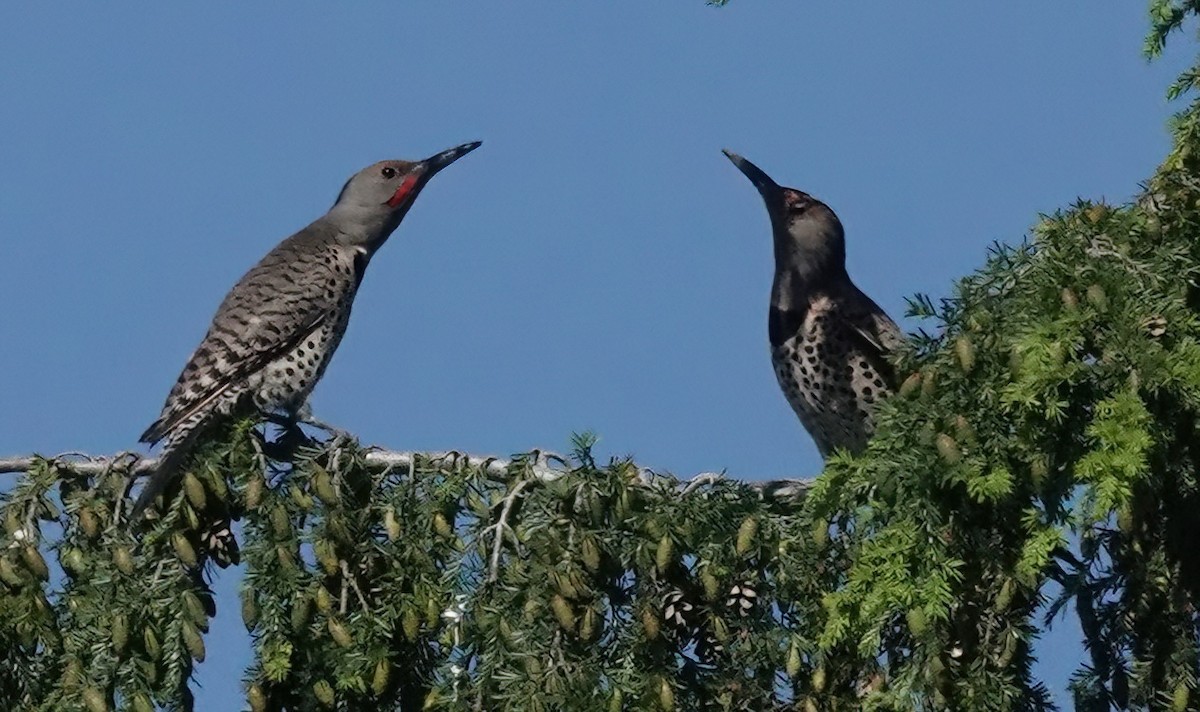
(597, 264)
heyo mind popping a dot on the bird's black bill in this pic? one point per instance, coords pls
(761, 180)
(435, 163)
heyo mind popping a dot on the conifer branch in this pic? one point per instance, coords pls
(499, 527)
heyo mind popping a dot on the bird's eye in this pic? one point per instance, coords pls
(388, 172)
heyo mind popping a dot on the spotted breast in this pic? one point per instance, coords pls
(832, 374)
(286, 382)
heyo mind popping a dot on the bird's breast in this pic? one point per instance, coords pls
(287, 381)
(818, 369)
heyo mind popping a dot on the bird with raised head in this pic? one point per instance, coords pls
(276, 330)
(829, 340)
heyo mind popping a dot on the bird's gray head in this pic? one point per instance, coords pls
(375, 200)
(808, 235)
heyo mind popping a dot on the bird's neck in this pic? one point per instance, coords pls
(800, 275)
(791, 291)
(362, 229)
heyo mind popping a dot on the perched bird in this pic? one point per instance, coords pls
(828, 339)
(274, 333)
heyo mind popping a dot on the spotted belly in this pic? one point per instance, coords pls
(286, 382)
(832, 389)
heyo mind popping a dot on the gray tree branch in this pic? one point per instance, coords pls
(547, 467)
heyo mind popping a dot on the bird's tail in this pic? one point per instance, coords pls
(178, 446)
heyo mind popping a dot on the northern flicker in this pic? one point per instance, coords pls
(273, 335)
(829, 340)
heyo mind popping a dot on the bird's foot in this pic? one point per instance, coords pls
(334, 432)
(283, 447)
(290, 423)
(285, 421)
